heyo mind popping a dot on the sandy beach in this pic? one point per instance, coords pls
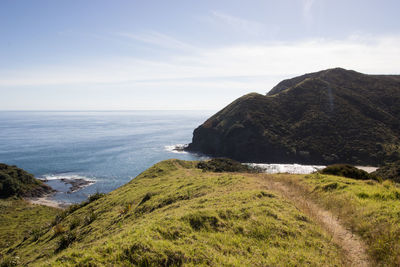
(47, 201)
(368, 169)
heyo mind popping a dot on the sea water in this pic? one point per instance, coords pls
(106, 148)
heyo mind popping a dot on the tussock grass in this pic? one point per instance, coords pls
(174, 214)
(19, 220)
(368, 208)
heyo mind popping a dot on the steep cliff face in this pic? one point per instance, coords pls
(326, 117)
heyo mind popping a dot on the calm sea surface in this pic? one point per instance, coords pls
(109, 148)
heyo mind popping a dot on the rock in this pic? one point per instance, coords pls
(327, 117)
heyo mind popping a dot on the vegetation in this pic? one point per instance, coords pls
(390, 171)
(20, 220)
(367, 207)
(348, 171)
(224, 165)
(17, 182)
(327, 117)
(175, 214)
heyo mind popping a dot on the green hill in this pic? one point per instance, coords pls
(327, 117)
(176, 214)
(17, 182)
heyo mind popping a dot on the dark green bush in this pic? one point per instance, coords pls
(390, 171)
(36, 233)
(348, 171)
(201, 220)
(15, 181)
(75, 222)
(9, 261)
(95, 196)
(66, 240)
(224, 165)
(89, 218)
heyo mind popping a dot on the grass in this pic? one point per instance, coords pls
(176, 214)
(19, 220)
(369, 208)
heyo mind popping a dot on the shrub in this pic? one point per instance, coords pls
(75, 222)
(224, 165)
(90, 218)
(95, 196)
(66, 240)
(348, 171)
(330, 186)
(36, 233)
(202, 220)
(126, 209)
(146, 198)
(389, 171)
(58, 229)
(9, 262)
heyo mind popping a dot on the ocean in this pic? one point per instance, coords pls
(107, 148)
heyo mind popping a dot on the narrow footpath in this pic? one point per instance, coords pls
(353, 247)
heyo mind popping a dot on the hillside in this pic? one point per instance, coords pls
(17, 182)
(331, 116)
(390, 171)
(174, 214)
(20, 219)
(177, 214)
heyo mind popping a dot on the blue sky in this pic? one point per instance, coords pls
(128, 55)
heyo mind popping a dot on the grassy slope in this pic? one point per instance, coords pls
(18, 219)
(173, 213)
(370, 209)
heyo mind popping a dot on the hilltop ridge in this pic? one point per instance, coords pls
(326, 117)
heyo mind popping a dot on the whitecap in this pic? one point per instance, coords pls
(287, 168)
(178, 148)
(68, 176)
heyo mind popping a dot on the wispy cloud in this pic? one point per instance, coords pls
(255, 61)
(307, 9)
(157, 39)
(237, 23)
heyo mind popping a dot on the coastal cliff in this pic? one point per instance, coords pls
(331, 116)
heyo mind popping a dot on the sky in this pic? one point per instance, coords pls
(182, 55)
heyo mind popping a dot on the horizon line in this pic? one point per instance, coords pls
(99, 110)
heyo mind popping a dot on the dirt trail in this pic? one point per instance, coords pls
(353, 248)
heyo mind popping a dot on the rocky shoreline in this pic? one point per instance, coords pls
(74, 184)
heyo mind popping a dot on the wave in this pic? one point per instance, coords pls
(66, 176)
(178, 148)
(72, 182)
(287, 168)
